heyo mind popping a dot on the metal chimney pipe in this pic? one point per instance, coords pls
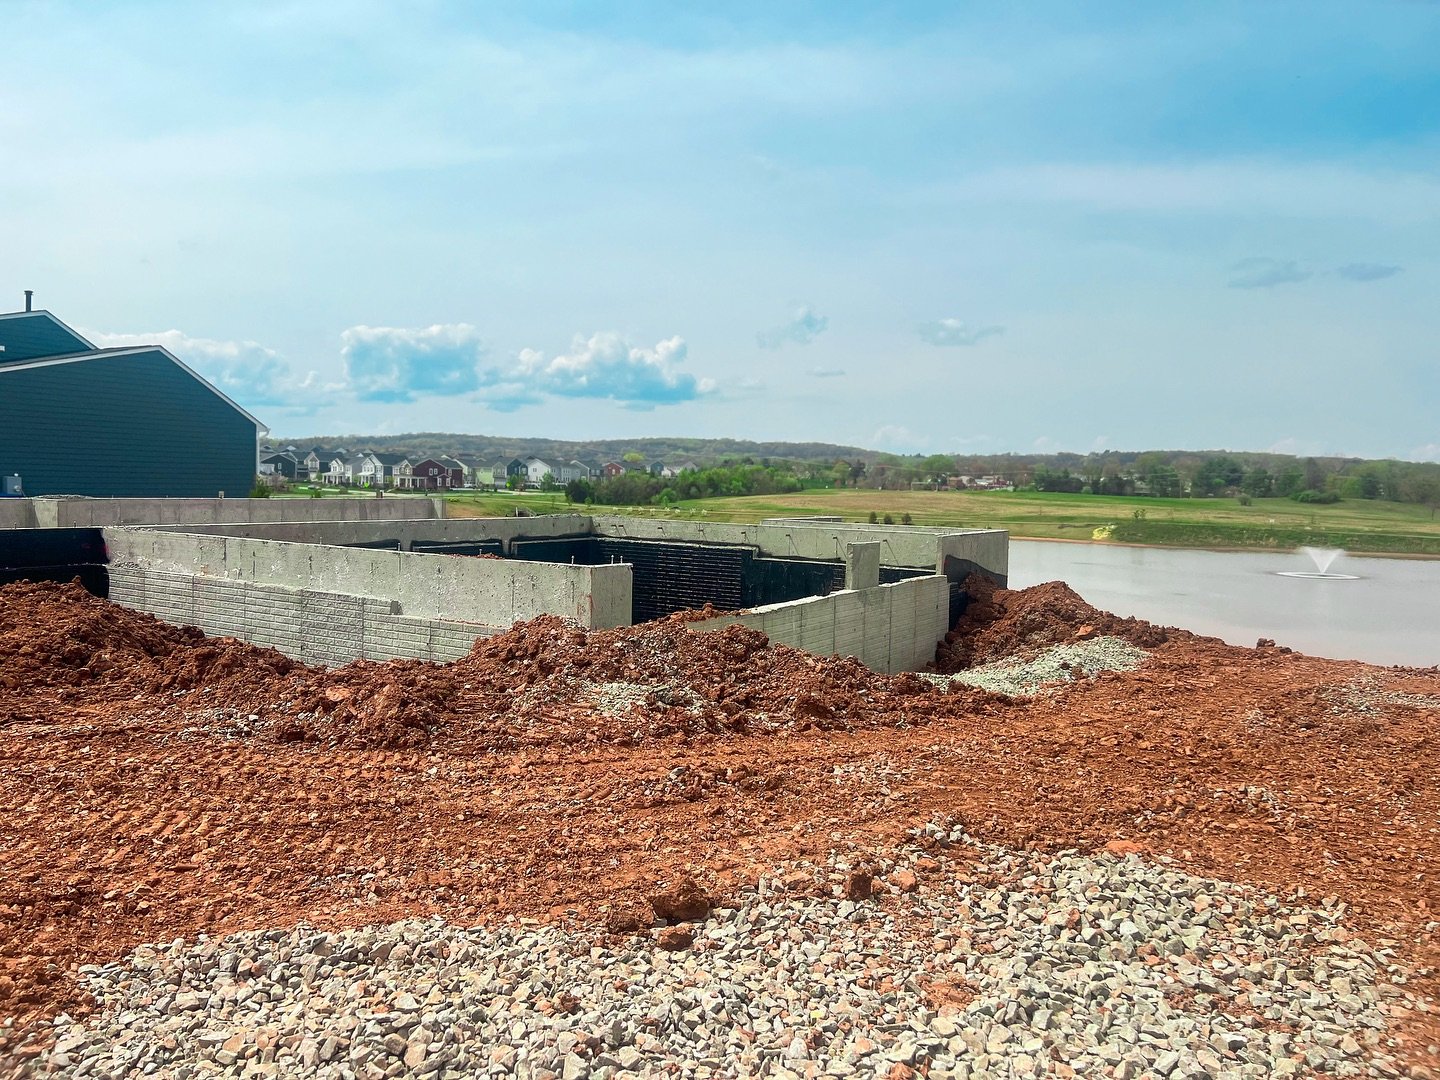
(29, 299)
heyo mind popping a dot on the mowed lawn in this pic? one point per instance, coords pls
(1076, 517)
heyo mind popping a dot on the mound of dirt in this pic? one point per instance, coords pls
(543, 682)
(1001, 623)
(56, 635)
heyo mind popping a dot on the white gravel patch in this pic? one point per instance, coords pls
(986, 963)
(1039, 673)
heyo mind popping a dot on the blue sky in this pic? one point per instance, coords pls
(920, 228)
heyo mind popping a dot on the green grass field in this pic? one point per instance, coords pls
(1356, 525)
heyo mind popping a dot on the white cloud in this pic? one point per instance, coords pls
(898, 438)
(384, 363)
(825, 373)
(246, 371)
(1428, 452)
(606, 365)
(953, 332)
(802, 329)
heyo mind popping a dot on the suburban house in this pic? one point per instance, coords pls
(279, 463)
(384, 470)
(428, 475)
(536, 470)
(573, 470)
(612, 469)
(77, 420)
(456, 471)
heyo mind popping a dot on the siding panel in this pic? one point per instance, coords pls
(131, 426)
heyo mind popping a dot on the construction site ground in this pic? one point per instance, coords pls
(155, 784)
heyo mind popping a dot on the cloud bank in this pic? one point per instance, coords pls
(802, 329)
(384, 363)
(950, 333)
(605, 365)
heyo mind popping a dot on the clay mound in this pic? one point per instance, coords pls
(58, 635)
(1001, 623)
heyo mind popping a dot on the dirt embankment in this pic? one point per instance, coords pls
(155, 783)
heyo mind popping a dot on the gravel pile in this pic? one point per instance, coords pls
(1059, 663)
(971, 961)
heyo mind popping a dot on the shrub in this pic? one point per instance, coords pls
(261, 490)
(1310, 495)
(874, 518)
(888, 519)
(906, 519)
(1243, 499)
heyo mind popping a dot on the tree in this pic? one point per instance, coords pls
(579, 491)
(1422, 488)
(1258, 483)
(1290, 482)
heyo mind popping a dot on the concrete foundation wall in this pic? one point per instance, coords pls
(406, 531)
(17, 514)
(890, 628)
(491, 592)
(309, 625)
(913, 546)
(85, 513)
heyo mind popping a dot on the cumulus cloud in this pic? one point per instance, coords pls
(802, 329)
(826, 372)
(1368, 271)
(954, 332)
(606, 365)
(245, 371)
(1261, 272)
(898, 438)
(384, 363)
(1428, 452)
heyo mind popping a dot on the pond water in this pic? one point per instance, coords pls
(1388, 614)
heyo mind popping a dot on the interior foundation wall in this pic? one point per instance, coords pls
(489, 592)
(889, 628)
(85, 513)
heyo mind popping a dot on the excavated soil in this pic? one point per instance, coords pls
(155, 783)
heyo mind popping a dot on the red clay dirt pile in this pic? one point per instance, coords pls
(155, 783)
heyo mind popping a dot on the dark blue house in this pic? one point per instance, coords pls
(132, 423)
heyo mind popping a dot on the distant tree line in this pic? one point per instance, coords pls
(1165, 474)
(641, 488)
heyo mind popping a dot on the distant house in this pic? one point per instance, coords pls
(279, 464)
(430, 474)
(573, 470)
(612, 469)
(537, 469)
(512, 469)
(384, 470)
(480, 475)
(315, 462)
(456, 472)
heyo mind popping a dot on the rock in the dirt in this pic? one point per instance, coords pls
(675, 938)
(685, 901)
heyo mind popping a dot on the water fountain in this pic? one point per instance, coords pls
(1322, 558)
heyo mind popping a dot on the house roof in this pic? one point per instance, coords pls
(29, 335)
(137, 350)
(390, 459)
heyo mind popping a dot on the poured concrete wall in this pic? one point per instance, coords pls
(910, 545)
(889, 628)
(491, 592)
(406, 532)
(17, 514)
(84, 513)
(309, 625)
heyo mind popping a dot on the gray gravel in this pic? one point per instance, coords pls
(1056, 665)
(975, 961)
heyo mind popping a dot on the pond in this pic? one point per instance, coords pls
(1387, 613)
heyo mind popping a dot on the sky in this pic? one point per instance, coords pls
(920, 228)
